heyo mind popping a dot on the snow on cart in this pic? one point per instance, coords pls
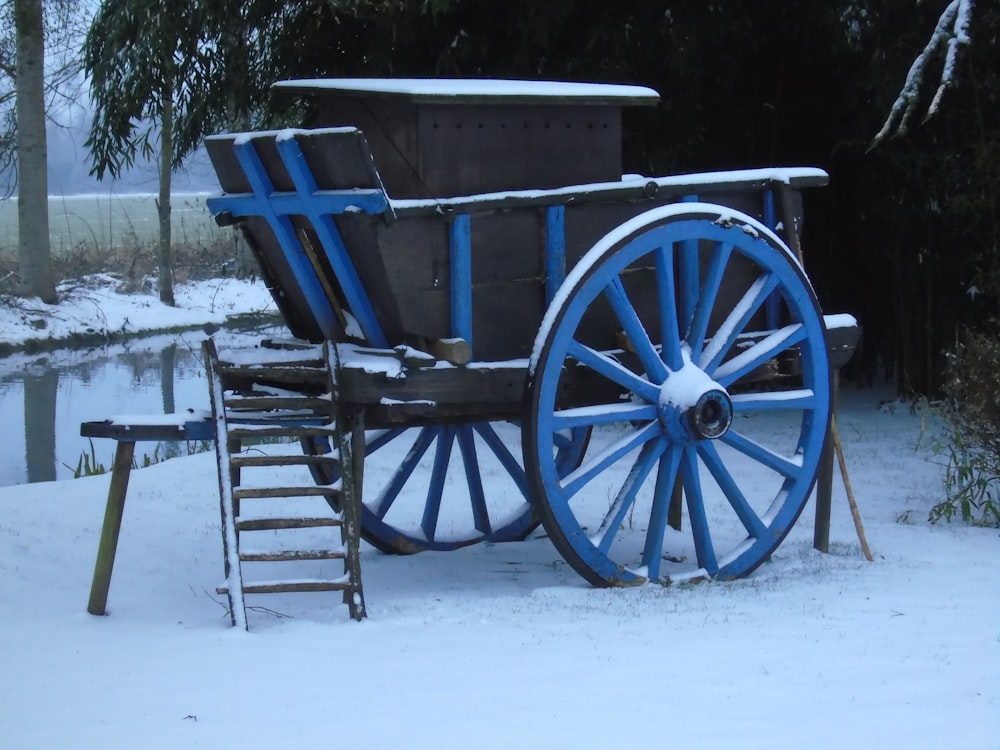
(493, 329)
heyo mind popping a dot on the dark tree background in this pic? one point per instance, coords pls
(907, 235)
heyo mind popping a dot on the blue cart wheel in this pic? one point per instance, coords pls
(693, 345)
(442, 487)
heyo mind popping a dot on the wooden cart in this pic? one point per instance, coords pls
(637, 363)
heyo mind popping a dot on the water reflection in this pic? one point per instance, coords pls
(40, 425)
(44, 398)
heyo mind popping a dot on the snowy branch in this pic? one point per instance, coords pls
(951, 32)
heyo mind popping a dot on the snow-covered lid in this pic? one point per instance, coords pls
(476, 90)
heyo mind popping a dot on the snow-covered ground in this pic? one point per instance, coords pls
(500, 646)
(97, 305)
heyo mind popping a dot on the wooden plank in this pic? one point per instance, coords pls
(282, 460)
(202, 429)
(271, 524)
(291, 555)
(243, 493)
(278, 587)
(251, 432)
(652, 191)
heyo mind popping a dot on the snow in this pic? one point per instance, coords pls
(470, 88)
(502, 645)
(784, 175)
(177, 420)
(95, 306)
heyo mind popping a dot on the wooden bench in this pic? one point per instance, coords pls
(128, 430)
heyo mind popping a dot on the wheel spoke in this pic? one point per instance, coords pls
(636, 332)
(587, 416)
(435, 489)
(696, 512)
(797, 399)
(477, 497)
(503, 454)
(605, 535)
(663, 489)
(589, 469)
(614, 371)
(669, 328)
(709, 292)
(751, 522)
(790, 468)
(690, 279)
(772, 345)
(730, 329)
(409, 463)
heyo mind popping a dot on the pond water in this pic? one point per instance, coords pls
(45, 397)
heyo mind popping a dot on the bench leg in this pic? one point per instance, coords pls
(108, 545)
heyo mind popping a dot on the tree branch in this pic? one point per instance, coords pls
(951, 32)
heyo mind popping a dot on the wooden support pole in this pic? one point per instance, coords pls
(120, 471)
(824, 479)
(855, 514)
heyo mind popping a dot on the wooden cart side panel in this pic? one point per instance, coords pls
(390, 129)
(438, 149)
(274, 267)
(508, 291)
(334, 160)
(486, 148)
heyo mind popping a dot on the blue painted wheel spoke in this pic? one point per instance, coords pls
(790, 468)
(577, 479)
(623, 501)
(663, 490)
(588, 416)
(634, 329)
(750, 520)
(435, 489)
(770, 346)
(792, 400)
(614, 371)
(709, 292)
(689, 276)
(409, 463)
(504, 456)
(669, 328)
(477, 497)
(704, 548)
(734, 324)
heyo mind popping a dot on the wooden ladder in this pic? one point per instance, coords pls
(292, 398)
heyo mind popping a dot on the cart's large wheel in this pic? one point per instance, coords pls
(442, 487)
(696, 390)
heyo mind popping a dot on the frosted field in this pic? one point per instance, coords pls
(110, 220)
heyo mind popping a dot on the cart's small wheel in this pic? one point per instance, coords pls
(691, 341)
(425, 488)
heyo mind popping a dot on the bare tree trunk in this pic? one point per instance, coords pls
(166, 273)
(33, 251)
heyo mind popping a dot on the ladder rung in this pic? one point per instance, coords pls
(257, 492)
(292, 431)
(280, 460)
(280, 587)
(266, 524)
(294, 374)
(305, 404)
(288, 555)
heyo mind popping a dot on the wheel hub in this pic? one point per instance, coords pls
(692, 406)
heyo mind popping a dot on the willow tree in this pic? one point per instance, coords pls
(147, 61)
